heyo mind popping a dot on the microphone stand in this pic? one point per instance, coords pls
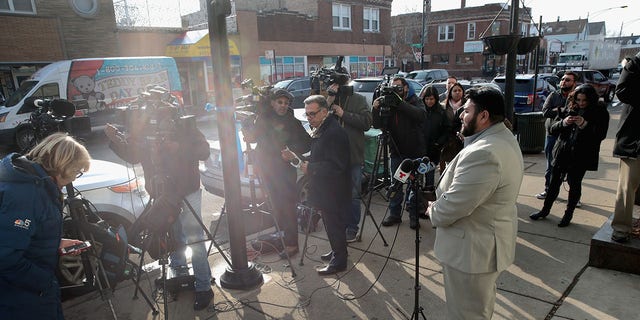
(417, 309)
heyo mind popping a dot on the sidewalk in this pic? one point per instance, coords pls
(550, 278)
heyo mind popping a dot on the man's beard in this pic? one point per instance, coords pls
(470, 129)
(566, 89)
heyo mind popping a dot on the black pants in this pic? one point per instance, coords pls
(574, 178)
(336, 227)
(283, 192)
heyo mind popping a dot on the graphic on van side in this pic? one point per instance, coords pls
(104, 84)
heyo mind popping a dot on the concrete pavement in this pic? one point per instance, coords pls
(550, 278)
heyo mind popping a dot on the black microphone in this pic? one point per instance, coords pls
(420, 165)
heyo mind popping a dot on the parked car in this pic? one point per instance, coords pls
(117, 196)
(367, 87)
(428, 75)
(605, 87)
(524, 93)
(300, 88)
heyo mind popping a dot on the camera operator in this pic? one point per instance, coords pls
(280, 135)
(402, 114)
(354, 116)
(169, 149)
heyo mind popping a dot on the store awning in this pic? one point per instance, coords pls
(195, 44)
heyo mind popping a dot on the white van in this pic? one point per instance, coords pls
(96, 86)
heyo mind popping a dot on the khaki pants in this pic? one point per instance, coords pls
(469, 295)
(628, 181)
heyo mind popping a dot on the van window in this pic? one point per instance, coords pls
(47, 91)
(17, 96)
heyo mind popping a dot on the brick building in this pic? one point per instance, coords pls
(453, 39)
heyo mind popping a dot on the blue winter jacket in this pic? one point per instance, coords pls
(30, 233)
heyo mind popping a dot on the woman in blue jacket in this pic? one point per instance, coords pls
(31, 225)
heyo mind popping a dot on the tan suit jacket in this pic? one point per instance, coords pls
(475, 212)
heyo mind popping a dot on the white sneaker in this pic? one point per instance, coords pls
(542, 195)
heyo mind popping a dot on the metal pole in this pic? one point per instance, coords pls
(535, 66)
(241, 274)
(425, 3)
(510, 75)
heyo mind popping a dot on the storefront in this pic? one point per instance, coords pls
(192, 52)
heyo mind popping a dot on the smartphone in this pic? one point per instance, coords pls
(80, 246)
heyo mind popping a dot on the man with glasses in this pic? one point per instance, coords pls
(552, 106)
(329, 179)
(280, 137)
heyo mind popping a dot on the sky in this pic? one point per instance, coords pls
(608, 11)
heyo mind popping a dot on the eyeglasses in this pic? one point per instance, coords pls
(79, 174)
(312, 114)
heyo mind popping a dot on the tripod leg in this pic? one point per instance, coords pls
(136, 282)
(367, 207)
(206, 231)
(306, 238)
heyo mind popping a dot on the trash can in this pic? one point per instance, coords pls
(370, 150)
(530, 131)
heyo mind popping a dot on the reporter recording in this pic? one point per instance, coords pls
(281, 140)
(169, 148)
(402, 113)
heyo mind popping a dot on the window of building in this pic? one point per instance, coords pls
(18, 6)
(284, 68)
(85, 8)
(465, 58)
(495, 28)
(371, 19)
(446, 32)
(365, 66)
(440, 58)
(471, 30)
(341, 16)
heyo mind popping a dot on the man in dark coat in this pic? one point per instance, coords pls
(404, 124)
(329, 178)
(280, 135)
(626, 148)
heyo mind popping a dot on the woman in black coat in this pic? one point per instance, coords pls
(436, 128)
(580, 129)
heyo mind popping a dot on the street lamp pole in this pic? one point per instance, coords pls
(598, 12)
(425, 4)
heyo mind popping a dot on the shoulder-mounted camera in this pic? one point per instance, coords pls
(388, 94)
(323, 78)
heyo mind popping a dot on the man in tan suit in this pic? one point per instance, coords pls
(475, 211)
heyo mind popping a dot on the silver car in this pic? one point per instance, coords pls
(116, 194)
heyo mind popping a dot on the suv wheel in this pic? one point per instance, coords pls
(610, 94)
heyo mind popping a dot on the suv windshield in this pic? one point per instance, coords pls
(282, 84)
(25, 87)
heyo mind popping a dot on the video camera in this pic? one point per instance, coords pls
(389, 94)
(323, 78)
(156, 112)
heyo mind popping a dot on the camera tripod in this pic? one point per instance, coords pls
(375, 183)
(254, 207)
(164, 239)
(85, 230)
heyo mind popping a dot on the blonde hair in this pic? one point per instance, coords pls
(60, 154)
